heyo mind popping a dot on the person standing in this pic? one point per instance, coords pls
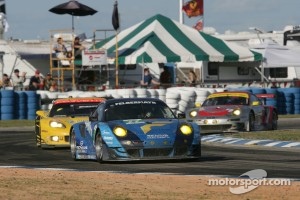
(49, 83)
(18, 80)
(165, 78)
(36, 81)
(147, 79)
(78, 47)
(192, 78)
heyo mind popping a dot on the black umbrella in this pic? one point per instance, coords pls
(73, 8)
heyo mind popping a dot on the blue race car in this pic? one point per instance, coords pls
(134, 129)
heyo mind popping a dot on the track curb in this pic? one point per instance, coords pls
(216, 138)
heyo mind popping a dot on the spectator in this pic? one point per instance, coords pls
(59, 48)
(49, 83)
(147, 79)
(165, 78)
(78, 47)
(60, 51)
(36, 81)
(6, 82)
(18, 80)
(192, 78)
(34, 86)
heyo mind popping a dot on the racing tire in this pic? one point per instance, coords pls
(73, 144)
(274, 121)
(99, 147)
(250, 123)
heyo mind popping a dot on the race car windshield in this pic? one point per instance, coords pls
(138, 111)
(225, 100)
(73, 109)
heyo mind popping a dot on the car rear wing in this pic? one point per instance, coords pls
(266, 96)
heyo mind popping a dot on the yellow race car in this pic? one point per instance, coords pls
(52, 128)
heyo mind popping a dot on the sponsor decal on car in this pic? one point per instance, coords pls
(134, 121)
(134, 102)
(147, 127)
(161, 136)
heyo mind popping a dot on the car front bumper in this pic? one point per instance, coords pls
(55, 138)
(221, 125)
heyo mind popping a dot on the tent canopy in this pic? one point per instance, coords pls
(162, 40)
(275, 55)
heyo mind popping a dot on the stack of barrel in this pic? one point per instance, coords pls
(19, 104)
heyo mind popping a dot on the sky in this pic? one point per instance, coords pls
(31, 19)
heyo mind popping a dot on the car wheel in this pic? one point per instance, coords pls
(99, 147)
(250, 123)
(73, 144)
(274, 121)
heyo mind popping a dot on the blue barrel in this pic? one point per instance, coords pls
(21, 105)
(271, 90)
(272, 101)
(33, 104)
(286, 99)
(7, 105)
(245, 89)
(258, 90)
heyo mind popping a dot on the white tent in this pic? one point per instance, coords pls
(162, 40)
(275, 55)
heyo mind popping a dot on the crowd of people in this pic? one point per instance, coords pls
(36, 82)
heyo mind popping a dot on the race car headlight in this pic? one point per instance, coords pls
(193, 113)
(55, 124)
(186, 129)
(236, 112)
(120, 131)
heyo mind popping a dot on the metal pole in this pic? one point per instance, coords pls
(72, 22)
(117, 62)
(2, 62)
(181, 19)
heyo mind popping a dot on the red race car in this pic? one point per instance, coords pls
(234, 111)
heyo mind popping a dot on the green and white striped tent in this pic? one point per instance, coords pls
(162, 40)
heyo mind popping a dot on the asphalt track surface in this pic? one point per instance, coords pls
(18, 149)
